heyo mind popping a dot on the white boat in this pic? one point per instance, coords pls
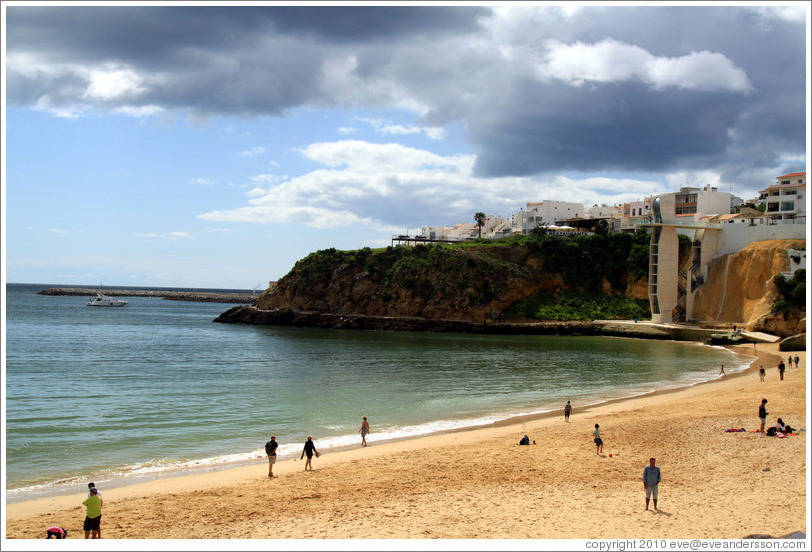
(102, 300)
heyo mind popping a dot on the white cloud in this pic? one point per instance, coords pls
(139, 111)
(256, 151)
(167, 236)
(201, 181)
(347, 130)
(111, 83)
(613, 61)
(384, 186)
(388, 128)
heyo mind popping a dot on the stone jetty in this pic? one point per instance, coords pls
(174, 295)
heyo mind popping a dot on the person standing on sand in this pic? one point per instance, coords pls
(567, 411)
(93, 515)
(92, 485)
(789, 361)
(781, 368)
(364, 431)
(762, 414)
(761, 373)
(651, 481)
(270, 450)
(598, 441)
(797, 358)
(309, 449)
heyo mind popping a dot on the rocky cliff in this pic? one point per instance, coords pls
(475, 283)
(740, 289)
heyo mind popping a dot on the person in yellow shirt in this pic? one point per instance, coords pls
(93, 516)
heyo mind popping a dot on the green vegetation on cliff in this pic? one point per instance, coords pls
(539, 277)
(791, 293)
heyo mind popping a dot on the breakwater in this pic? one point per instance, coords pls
(174, 295)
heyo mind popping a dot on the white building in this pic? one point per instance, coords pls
(544, 213)
(785, 199)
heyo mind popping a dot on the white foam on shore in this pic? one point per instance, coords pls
(132, 473)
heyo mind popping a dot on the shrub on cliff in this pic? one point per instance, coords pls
(791, 293)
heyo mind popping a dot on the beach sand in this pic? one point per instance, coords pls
(481, 484)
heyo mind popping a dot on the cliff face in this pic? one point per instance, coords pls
(472, 283)
(740, 288)
(479, 283)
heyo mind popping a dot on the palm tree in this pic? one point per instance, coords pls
(479, 217)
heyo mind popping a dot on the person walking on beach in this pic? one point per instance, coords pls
(93, 514)
(309, 449)
(364, 431)
(762, 414)
(797, 358)
(781, 369)
(270, 450)
(761, 373)
(598, 441)
(651, 481)
(789, 361)
(567, 411)
(722, 371)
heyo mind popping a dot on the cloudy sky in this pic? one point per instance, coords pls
(216, 146)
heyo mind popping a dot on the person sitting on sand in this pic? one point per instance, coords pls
(56, 532)
(598, 441)
(364, 431)
(309, 450)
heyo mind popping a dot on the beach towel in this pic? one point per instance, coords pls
(735, 430)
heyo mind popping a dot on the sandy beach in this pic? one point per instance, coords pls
(480, 484)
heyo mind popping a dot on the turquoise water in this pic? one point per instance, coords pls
(155, 387)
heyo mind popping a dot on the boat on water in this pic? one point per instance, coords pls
(101, 300)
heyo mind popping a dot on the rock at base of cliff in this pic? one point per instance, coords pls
(793, 343)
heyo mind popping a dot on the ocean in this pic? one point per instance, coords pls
(154, 389)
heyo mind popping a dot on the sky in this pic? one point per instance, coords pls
(214, 146)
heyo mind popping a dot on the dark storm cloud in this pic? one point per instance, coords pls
(641, 89)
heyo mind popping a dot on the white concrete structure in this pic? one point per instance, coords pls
(545, 213)
(785, 199)
(671, 287)
(702, 201)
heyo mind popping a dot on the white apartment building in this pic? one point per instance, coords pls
(545, 213)
(604, 211)
(785, 199)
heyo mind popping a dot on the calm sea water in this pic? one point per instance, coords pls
(113, 394)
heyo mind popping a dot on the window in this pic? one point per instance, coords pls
(791, 192)
(787, 205)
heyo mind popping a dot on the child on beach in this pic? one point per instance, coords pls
(761, 373)
(56, 532)
(762, 415)
(309, 449)
(598, 441)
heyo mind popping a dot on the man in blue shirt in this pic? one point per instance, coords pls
(651, 479)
